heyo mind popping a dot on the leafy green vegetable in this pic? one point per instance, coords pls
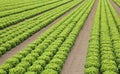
(49, 71)
(2, 71)
(91, 70)
(40, 62)
(109, 67)
(30, 72)
(110, 72)
(17, 70)
(35, 68)
(24, 64)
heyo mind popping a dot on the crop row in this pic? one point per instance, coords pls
(15, 18)
(103, 50)
(47, 54)
(114, 27)
(7, 3)
(17, 4)
(13, 36)
(25, 8)
(115, 16)
(117, 2)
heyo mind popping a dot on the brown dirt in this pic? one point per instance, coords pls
(115, 7)
(21, 46)
(76, 59)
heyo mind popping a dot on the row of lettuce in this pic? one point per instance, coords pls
(13, 4)
(104, 44)
(27, 14)
(15, 35)
(23, 8)
(117, 2)
(47, 54)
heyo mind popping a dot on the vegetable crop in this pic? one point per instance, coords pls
(47, 54)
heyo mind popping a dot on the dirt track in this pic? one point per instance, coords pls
(115, 7)
(76, 59)
(30, 39)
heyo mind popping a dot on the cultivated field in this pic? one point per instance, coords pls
(59, 36)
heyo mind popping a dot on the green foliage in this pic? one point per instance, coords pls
(104, 42)
(53, 66)
(62, 57)
(7, 46)
(6, 66)
(18, 56)
(110, 72)
(29, 59)
(46, 58)
(2, 71)
(49, 71)
(24, 64)
(0, 53)
(92, 63)
(40, 62)
(2, 50)
(57, 61)
(108, 56)
(33, 55)
(106, 61)
(117, 2)
(17, 70)
(109, 67)
(91, 70)
(49, 52)
(23, 53)
(35, 68)
(13, 36)
(37, 50)
(12, 61)
(30, 72)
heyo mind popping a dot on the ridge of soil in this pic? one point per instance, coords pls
(77, 57)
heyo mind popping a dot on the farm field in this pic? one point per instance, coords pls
(117, 2)
(59, 37)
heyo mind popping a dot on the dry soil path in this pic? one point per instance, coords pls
(76, 59)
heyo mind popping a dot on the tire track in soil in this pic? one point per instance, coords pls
(21, 46)
(77, 57)
(115, 7)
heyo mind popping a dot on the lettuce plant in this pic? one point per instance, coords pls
(49, 71)
(53, 66)
(17, 70)
(91, 70)
(110, 72)
(30, 72)
(2, 71)
(36, 68)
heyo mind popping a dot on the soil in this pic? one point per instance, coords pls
(21, 46)
(115, 7)
(76, 59)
